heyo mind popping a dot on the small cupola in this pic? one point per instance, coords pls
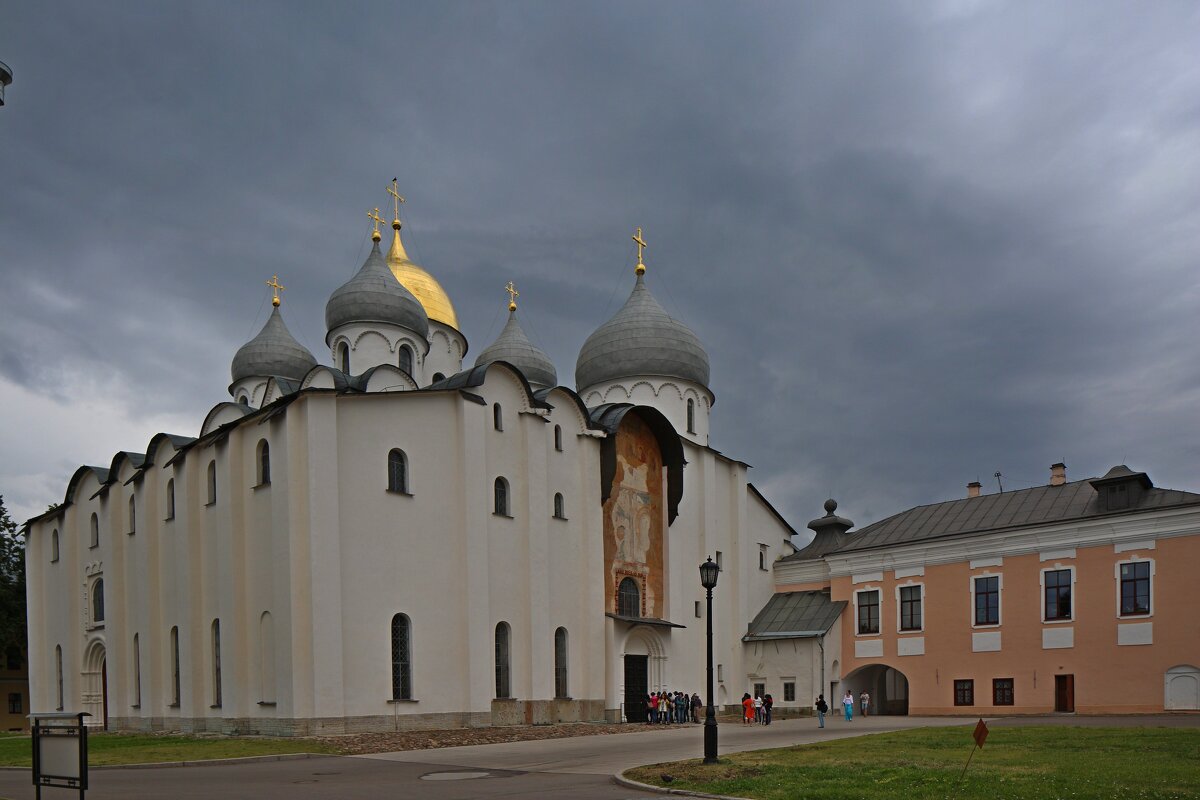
(514, 347)
(1121, 488)
(273, 353)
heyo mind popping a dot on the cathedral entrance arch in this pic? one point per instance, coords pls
(95, 684)
(886, 686)
(643, 660)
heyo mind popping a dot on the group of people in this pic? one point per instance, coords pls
(663, 708)
(864, 704)
(757, 710)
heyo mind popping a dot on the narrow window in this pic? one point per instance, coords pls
(629, 600)
(964, 693)
(406, 359)
(212, 483)
(697, 609)
(558, 438)
(762, 557)
(503, 677)
(264, 462)
(132, 516)
(243, 400)
(1135, 588)
(560, 663)
(54, 545)
(175, 666)
(14, 702)
(720, 673)
(95, 532)
(719, 562)
(344, 358)
(98, 600)
(58, 676)
(170, 498)
(987, 600)
(868, 612)
(398, 472)
(558, 506)
(1002, 691)
(137, 672)
(216, 662)
(401, 658)
(497, 417)
(910, 608)
(691, 416)
(266, 642)
(1058, 594)
(789, 691)
(437, 376)
(502, 497)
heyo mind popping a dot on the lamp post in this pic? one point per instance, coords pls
(708, 579)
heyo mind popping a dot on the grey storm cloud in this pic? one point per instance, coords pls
(922, 242)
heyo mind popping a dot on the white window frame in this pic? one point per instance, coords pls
(1042, 595)
(1000, 611)
(857, 592)
(1134, 558)
(900, 613)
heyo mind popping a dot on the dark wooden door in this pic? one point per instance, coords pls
(637, 686)
(104, 689)
(1064, 693)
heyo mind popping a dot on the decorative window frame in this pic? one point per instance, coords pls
(1042, 594)
(954, 688)
(879, 591)
(900, 629)
(1000, 604)
(1134, 558)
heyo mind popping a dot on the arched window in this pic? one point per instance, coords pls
(398, 472)
(437, 376)
(243, 400)
(344, 357)
(94, 541)
(212, 483)
(558, 438)
(170, 498)
(54, 545)
(560, 663)
(691, 415)
(401, 658)
(266, 643)
(264, 462)
(175, 666)
(137, 672)
(558, 506)
(98, 600)
(216, 662)
(629, 598)
(132, 516)
(58, 675)
(497, 417)
(501, 497)
(503, 676)
(406, 359)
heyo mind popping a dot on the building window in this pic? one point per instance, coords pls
(503, 677)
(868, 611)
(437, 376)
(216, 662)
(721, 673)
(1135, 589)
(98, 600)
(94, 541)
(344, 358)
(170, 498)
(58, 676)
(212, 483)
(560, 663)
(964, 693)
(1002, 691)
(558, 438)
(401, 658)
(698, 614)
(398, 472)
(266, 655)
(691, 416)
(497, 417)
(132, 516)
(264, 462)
(175, 666)
(987, 600)
(558, 506)
(243, 400)
(1058, 593)
(406, 359)
(629, 600)
(789, 691)
(14, 703)
(501, 498)
(1118, 497)
(54, 545)
(719, 562)
(762, 558)
(910, 608)
(137, 672)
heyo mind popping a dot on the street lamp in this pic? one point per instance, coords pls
(708, 579)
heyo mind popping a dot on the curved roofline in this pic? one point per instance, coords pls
(247, 411)
(712, 397)
(670, 444)
(101, 474)
(475, 376)
(542, 394)
(114, 468)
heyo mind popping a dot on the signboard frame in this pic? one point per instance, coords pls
(52, 730)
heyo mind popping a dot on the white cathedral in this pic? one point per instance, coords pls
(397, 542)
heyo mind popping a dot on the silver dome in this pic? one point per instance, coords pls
(514, 347)
(641, 339)
(274, 352)
(374, 295)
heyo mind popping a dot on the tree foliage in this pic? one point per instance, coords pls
(12, 583)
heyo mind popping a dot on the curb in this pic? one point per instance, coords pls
(620, 779)
(211, 762)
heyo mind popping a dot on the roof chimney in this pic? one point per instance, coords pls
(1058, 474)
(973, 488)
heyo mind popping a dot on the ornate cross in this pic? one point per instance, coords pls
(641, 244)
(394, 191)
(513, 294)
(276, 288)
(378, 219)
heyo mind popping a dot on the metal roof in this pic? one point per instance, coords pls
(795, 615)
(514, 347)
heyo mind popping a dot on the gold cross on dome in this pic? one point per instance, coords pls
(276, 288)
(513, 294)
(378, 219)
(394, 191)
(641, 245)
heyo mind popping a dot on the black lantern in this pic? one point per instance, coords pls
(708, 579)
(708, 574)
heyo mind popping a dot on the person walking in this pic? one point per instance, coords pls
(864, 702)
(822, 709)
(848, 705)
(697, 704)
(747, 709)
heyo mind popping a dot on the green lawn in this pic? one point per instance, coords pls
(1018, 763)
(117, 748)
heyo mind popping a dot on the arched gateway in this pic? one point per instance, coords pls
(886, 686)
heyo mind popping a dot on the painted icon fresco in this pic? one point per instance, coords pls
(633, 518)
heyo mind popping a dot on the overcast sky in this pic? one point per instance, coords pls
(922, 242)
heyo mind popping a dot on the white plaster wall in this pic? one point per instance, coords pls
(377, 343)
(668, 395)
(446, 350)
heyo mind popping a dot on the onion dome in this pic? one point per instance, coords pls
(641, 339)
(374, 295)
(274, 352)
(514, 347)
(424, 287)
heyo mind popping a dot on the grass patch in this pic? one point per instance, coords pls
(1018, 763)
(122, 748)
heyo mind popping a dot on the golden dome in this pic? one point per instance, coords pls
(424, 286)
